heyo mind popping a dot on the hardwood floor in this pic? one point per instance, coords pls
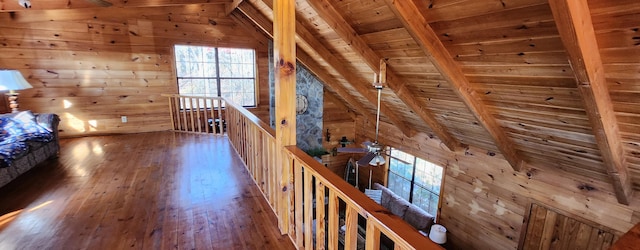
(159, 190)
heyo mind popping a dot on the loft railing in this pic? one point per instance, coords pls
(198, 114)
(320, 199)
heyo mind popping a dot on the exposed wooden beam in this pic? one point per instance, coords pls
(573, 20)
(407, 11)
(307, 41)
(260, 21)
(398, 85)
(248, 24)
(13, 5)
(232, 6)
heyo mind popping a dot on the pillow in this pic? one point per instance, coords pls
(418, 218)
(374, 194)
(398, 206)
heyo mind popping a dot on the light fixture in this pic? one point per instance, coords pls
(12, 80)
(377, 160)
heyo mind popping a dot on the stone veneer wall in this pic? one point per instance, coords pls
(309, 124)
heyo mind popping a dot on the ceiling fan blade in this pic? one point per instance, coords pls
(364, 161)
(352, 150)
(367, 143)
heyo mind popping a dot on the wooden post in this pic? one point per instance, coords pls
(284, 51)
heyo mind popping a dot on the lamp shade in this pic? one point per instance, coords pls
(12, 80)
(438, 234)
(377, 160)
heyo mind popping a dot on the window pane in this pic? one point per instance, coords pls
(209, 70)
(403, 169)
(433, 204)
(209, 55)
(240, 62)
(425, 186)
(239, 91)
(421, 197)
(399, 186)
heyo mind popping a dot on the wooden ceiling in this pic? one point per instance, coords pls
(553, 84)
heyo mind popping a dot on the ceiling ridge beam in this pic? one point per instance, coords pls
(398, 85)
(262, 22)
(573, 20)
(414, 21)
(304, 36)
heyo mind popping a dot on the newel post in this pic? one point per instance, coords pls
(285, 94)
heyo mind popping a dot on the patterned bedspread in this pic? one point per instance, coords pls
(21, 131)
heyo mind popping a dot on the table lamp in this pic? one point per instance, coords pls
(12, 80)
(438, 234)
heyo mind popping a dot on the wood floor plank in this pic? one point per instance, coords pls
(160, 190)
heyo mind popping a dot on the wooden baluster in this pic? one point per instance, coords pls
(199, 119)
(220, 118)
(373, 236)
(320, 215)
(351, 232)
(185, 122)
(206, 118)
(173, 122)
(334, 227)
(298, 191)
(308, 210)
(193, 125)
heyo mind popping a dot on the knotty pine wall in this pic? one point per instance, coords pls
(92, 66)
(340, 122)
(484, 200)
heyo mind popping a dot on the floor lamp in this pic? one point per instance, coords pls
(12, 80)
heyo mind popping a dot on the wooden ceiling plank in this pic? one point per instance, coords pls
(573, 19)
(263, 23)
(416, 24)
(397, 84)
(14, 6)
(304, 36)
(232, 6)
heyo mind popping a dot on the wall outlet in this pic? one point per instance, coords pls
(124, 119)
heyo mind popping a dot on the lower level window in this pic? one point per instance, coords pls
(212, 71)
(415, 180)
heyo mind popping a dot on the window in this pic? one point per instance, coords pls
(415, 180)
(211, 71)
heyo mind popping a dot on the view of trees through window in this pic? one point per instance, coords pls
(415, 180)
(211, 71)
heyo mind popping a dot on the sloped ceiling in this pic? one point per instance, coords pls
(552, 84)
(545, 83)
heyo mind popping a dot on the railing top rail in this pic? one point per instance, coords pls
(253, 118)
(194, 96)
(392, 226)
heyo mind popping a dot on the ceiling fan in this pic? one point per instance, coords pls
(373, 150)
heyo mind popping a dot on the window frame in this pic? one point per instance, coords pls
(412, 181)
(217, 79)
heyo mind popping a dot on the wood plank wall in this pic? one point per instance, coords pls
(339, 121)
(92, 66)
(484, 201)
(548, 229)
